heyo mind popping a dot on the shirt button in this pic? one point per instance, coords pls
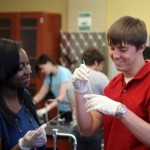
(124, 90)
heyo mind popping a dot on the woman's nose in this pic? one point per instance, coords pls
(28, 69)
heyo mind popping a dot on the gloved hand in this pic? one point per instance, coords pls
(101, 103)
(80, 79)
(43, 111)
(35, 138)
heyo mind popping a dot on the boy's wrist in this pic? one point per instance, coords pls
(121, 110)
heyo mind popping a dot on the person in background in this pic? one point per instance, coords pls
(124, 108)
(19, 124)
(94, 60)
(146, 53)
(57, 84)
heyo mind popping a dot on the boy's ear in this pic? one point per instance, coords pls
(142, 47)
(96, 63)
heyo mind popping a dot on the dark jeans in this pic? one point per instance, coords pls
(88, 143)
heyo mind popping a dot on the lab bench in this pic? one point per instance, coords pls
(62, 142)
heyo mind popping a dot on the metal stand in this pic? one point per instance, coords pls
(56, 133)
(46, 115)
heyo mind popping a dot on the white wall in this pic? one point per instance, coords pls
(96, 7)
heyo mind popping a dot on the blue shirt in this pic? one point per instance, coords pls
(10, 133)
(63, 75)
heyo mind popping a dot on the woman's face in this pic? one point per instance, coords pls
(46, 68)
(22, 78)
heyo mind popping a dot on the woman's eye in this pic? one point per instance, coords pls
(20, 68)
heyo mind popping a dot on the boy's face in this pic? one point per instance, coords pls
(99, 66)
(125, 57)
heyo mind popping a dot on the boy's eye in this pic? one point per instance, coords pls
(111, 48)
(123, 49)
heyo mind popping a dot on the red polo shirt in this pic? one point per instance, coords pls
(136, 97)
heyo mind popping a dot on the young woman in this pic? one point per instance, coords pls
(18, 119)
(57, 84)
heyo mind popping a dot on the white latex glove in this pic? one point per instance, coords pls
(80, 79)
(101, 103)
(43, 111)
(35, 138)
